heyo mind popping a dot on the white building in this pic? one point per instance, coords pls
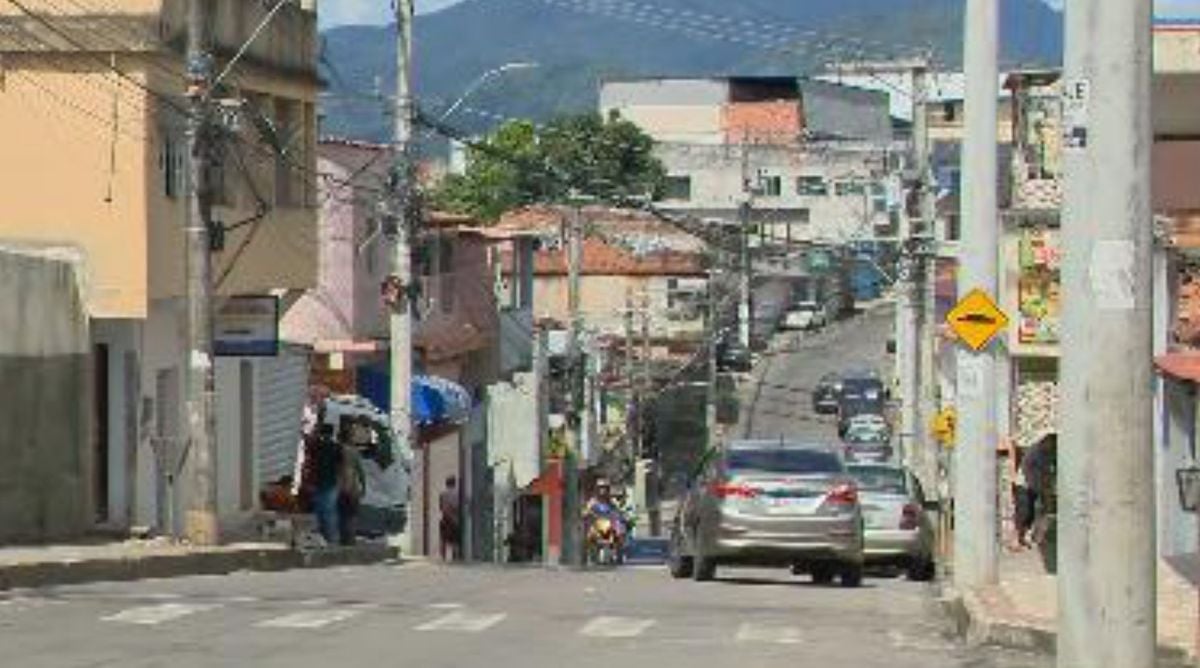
(811, 159)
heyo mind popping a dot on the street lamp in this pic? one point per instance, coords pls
(481, 81)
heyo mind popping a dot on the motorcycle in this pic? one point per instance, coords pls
(605, 541)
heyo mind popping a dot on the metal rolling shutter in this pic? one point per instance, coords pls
(281, 391)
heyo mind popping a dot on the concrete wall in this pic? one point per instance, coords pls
(664, 92)
(46, 476)
(844, 112)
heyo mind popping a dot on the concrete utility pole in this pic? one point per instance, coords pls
(1106, 514)
(712, 323)
(573, 532)
(403, 211)
(745, 209)
(975, 520)
(200, 524)
(650, 478)
(633, 408)
(923, 287)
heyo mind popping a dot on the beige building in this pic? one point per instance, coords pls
(91, 121)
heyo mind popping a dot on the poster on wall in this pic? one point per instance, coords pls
(1040, 287)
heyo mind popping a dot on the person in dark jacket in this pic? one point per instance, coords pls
(326, 460)
(351, 480)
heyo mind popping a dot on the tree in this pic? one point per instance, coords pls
(519, 164)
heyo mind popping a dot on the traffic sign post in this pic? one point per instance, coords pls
(976, 320)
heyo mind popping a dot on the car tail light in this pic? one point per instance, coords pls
(843, 495)
(732, 491)
(909, 517)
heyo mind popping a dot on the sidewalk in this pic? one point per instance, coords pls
(1021, 611)
(39, 566)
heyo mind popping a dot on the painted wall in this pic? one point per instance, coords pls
(71, 120)
(46, 479)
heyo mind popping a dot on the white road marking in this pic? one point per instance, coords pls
(616, 627)
(767, 633)
(444, 606)
(313, 602)
(464, 622)
(309, 619)
(242, 599)
(151, 615)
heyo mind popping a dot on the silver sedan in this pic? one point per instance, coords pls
(899, 531)
(770, 503)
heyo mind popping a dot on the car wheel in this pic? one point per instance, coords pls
(922, 569)
(852, 576)
(704, 569)
(822, 575)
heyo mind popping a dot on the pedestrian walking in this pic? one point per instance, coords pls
(450, 525)
(326, 456)
(1040, 469)
(1024, 505)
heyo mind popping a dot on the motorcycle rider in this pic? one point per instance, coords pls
(602, 504)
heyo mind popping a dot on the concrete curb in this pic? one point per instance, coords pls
(214, 562)
(977, 627)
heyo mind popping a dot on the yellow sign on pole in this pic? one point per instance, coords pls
(976, 320)
(944, 427)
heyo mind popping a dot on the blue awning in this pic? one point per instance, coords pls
(438, 401)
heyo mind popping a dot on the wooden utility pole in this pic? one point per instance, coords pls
(200, 519)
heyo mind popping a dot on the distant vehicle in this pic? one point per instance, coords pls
(733, 356)
(853, 407)
(899, 531)
(805, 316)
(770, 503)
(866, 444)
(863, 392)
(870, 425)
(828, 394)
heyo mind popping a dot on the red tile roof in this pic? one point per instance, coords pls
(617, 242)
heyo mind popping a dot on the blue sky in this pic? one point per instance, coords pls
(346, 12)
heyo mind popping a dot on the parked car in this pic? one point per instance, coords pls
(828, 394)
(805, 316)
(770, 503)
(899, 530)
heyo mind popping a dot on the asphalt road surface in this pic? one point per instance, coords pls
(778, 399)
(427, 615)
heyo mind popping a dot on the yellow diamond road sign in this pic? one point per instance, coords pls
(976, 319)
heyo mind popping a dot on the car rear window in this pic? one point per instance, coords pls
(882, 479)
(781, 460)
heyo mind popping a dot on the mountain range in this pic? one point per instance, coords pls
(577, 43)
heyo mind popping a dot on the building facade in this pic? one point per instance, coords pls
(801, 161)
(95, 160)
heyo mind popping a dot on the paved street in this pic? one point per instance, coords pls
(421, 614)
(781, 399)
(424, 614)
